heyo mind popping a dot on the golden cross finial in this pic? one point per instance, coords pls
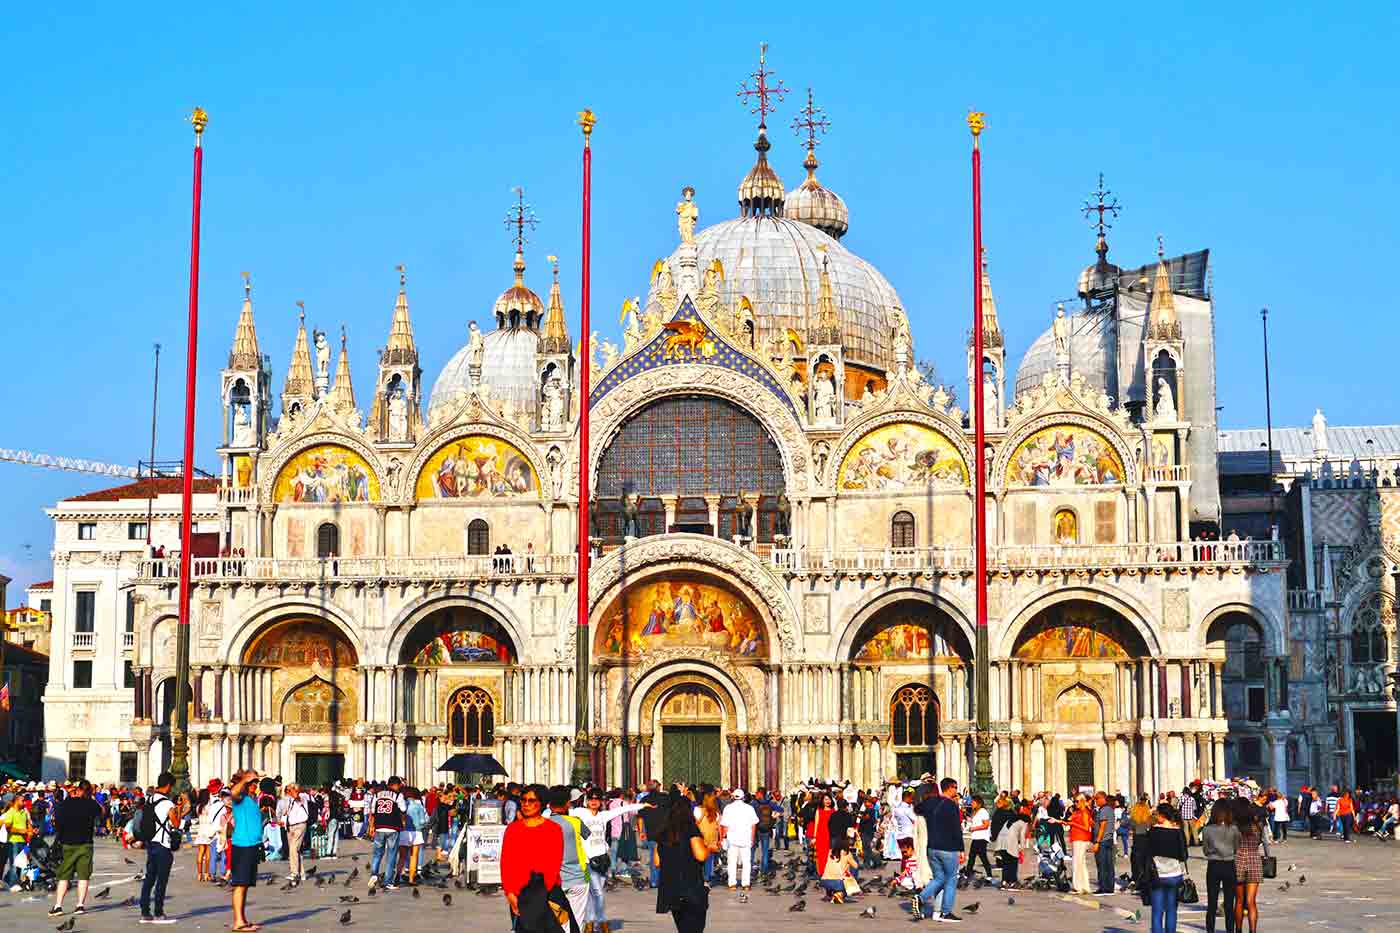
(976, 121)
(403, 275)
(554, 261)
(762, 89)
(247, 284)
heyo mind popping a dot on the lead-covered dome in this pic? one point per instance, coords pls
(813, 203)
(1092, 352)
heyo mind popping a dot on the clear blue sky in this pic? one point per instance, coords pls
(349, 137)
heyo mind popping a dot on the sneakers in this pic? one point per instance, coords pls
(373, 880)
(162, 919)
(55, 911)
(949, 918)
(79, 910)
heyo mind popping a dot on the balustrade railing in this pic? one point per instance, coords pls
(84, 639)
(484, 566)
(1305, 600)
(1026, 557)
(1170, 473)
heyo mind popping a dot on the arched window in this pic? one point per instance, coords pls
(471, 721)
(902, 529)
(1368, 642)
(328, 540)
(914, 717)
(478, 537)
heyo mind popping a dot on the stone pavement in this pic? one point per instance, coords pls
(1347, 887)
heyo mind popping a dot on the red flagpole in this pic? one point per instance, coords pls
(582, 770)
(179, 757)
(982, 781)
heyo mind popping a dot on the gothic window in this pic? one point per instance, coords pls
(471, 718)
(1368, 641)
(478, 537)
(315, 703)
(689, 447)
(902, 530)
(328, 540)
(914, 717)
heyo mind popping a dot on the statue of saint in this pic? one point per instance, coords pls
(746, 517)
(476, 345)
(243, 425)
(782, 522)
(1319, 428)
(1166, 402)
(1060, 330)
(686, 214)
(323, 362)
(398, 416)
(609, 351)
(632, 333)
(553, 410)
(824, 398)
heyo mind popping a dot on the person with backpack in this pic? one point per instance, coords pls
(386, 812)
(763, 836)
(157, 831)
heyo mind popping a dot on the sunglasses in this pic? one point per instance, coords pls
(529, 800)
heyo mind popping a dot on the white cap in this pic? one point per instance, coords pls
(738, 793)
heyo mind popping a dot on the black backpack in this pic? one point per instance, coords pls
(765, 817)
(147, 824)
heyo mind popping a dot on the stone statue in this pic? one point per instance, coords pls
(476, 345)
(686, 214)
(632, 334)
(1319, 429)
(398, 416)
(1166, 402)
(632, 516)
(555, 461)
(820, 454)
(903, 343)
(552, 415)
(824, 398)
(323, 362)
(1059, 329)
(989, 398)
(707, 298)
(609, 351)
(243, 433)
(665, 286)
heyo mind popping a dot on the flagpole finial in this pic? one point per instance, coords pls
(587, 120)
(199, 119)
(976, 121)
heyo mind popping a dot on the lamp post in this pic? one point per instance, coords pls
(982, 780)
(582, 770)
(179, 735)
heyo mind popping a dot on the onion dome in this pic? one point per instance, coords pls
(1100, 277)
(761, 191)
(518, 305)
(1093, 352)
(813, 203)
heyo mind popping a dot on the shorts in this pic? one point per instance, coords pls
(410, 837)
(243, 866)
(75, 863)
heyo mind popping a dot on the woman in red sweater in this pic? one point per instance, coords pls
(533, 844)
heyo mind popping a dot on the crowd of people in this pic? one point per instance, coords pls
(564, 848)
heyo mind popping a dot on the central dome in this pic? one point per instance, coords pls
(776, 263)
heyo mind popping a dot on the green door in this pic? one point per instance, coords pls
(319, 769)
(690, 754)
(1079, 769)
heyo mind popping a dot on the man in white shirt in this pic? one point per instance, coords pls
(293, 811)
(979, 830)
(903, 813)
(736, 826)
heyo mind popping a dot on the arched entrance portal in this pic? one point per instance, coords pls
(690, 723)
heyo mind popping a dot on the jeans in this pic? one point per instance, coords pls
(1348, 822)
(1164, 893)
(1281, 830)
(11, 874)
(386, 849)
(158, 862)
(332, 837)
(612, 856)
(1104, 860)
(647, 850)
(596, 911)
(218, 861)
(1220, 879)
(709, 867)
(945, 879)
(781, 827)
(765, 844)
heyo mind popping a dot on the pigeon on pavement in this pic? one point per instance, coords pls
(345, 918)
(797, 908)
(973, 907)
(101, 894)
(447, 900)
(868, 913)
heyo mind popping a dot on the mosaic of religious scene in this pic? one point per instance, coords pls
(469, 640)
(476, 467)
(1076, 631)
(908, 640)
(1064, 456)
(902, 456)
(327, 473)
(302, 643)
(314, 703)
(681, 613)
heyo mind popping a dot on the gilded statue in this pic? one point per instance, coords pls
(687, 213)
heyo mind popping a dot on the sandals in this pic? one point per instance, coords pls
(248, 928)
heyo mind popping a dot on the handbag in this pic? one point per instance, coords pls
(1270, 866)
(1187, 893)
(600, 863)
(852, 886)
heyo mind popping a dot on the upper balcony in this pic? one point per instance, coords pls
(343, 570)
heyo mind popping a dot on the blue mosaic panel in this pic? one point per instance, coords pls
(727, 356)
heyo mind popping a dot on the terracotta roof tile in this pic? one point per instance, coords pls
(145, 489)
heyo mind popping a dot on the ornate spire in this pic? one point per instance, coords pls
(301, 382)
(520, 216)
(244, 354)
(1102, 207)
(401, 348)
(828, 330)
(811, 202)
(556, 331)
(991, 329)
(518, 306)
(342, 394)
(761, 191)
(1161, 315)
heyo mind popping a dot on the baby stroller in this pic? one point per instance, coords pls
(1051, 873)
(42, 871)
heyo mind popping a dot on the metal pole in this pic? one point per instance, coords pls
(982, 780)
(582, 770)
(150, 464)
(1269, 424)
(179, 738)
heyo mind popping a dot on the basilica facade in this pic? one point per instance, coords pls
(782, 523)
